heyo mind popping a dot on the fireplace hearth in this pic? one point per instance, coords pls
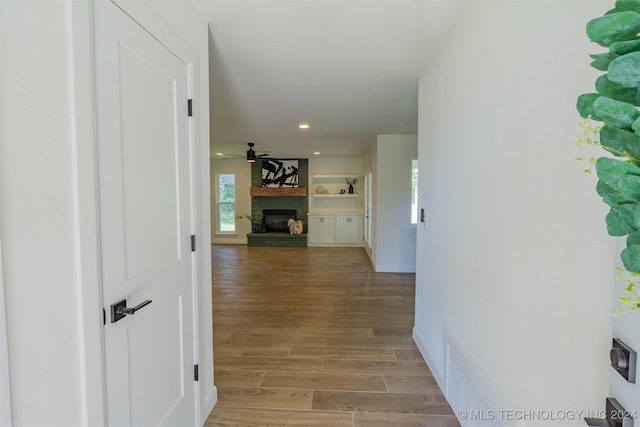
(275, 220)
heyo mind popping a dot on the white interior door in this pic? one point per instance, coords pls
(145, 215)
(368, 211)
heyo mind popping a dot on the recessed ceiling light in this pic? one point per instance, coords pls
(219, 154)
(316, 153)
(304, 126)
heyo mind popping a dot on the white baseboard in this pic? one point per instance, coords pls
(209, 403)
(395, 268)
(437, 373)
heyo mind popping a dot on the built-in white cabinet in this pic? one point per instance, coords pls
(349, 229)
(322, 229)
(335, 230)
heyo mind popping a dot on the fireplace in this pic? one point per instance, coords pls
(275, 220)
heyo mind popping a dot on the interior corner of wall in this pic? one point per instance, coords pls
(432, 362)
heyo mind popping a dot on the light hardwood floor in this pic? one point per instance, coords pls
(314, 337)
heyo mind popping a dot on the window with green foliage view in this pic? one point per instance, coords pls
(226, 202)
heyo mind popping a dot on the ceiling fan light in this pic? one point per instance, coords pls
(251, 155)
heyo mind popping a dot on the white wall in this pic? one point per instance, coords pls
(37, 214)
(41, 206)
(395, 242)
(515, 266)
(242, 170)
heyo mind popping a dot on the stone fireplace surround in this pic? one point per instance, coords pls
(299, 204)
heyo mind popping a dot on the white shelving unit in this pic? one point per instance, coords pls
(332, 183)
(335, 219)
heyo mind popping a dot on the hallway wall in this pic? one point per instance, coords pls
(45, 138)
(395, 243)
(515, 268)
(37, 215)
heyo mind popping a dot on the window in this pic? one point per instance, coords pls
(226, 202)
(414, 191)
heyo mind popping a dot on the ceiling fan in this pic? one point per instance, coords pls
(251, 154)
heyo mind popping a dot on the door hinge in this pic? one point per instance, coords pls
(190, 107)
(193, 243)
(195, 372)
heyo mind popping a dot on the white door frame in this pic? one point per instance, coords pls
(87, 218)
(368, 210)
(5, 384)
(90, 302)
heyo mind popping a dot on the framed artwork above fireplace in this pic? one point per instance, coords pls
(279, 173)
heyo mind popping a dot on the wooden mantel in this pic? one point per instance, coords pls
(278, 191)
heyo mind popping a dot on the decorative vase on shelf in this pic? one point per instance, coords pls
(351, 183)
(256, 228)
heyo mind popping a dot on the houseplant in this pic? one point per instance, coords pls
(255, 218)
(615, 103)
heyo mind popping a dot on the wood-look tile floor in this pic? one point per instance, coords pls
(314, 337)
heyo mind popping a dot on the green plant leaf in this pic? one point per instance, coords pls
(635, 126)
(633, 238)
(621, 140)
(633, 5)
(622, 48)
(615, 27)
(631, 258)
(624, 70)
(601, 61)
(619, 181)
(611, 139)
(636, 217)
(620, 220)
(610, 196)
(615, 113)
(611, 169)
(585, 106)
(629, 186)
(612, 90)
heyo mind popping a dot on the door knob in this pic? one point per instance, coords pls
(120, 309)
(623, 360)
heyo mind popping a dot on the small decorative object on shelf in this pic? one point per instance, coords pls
(351, 183)
(321, 190)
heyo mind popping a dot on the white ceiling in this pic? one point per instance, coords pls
(349, 68)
